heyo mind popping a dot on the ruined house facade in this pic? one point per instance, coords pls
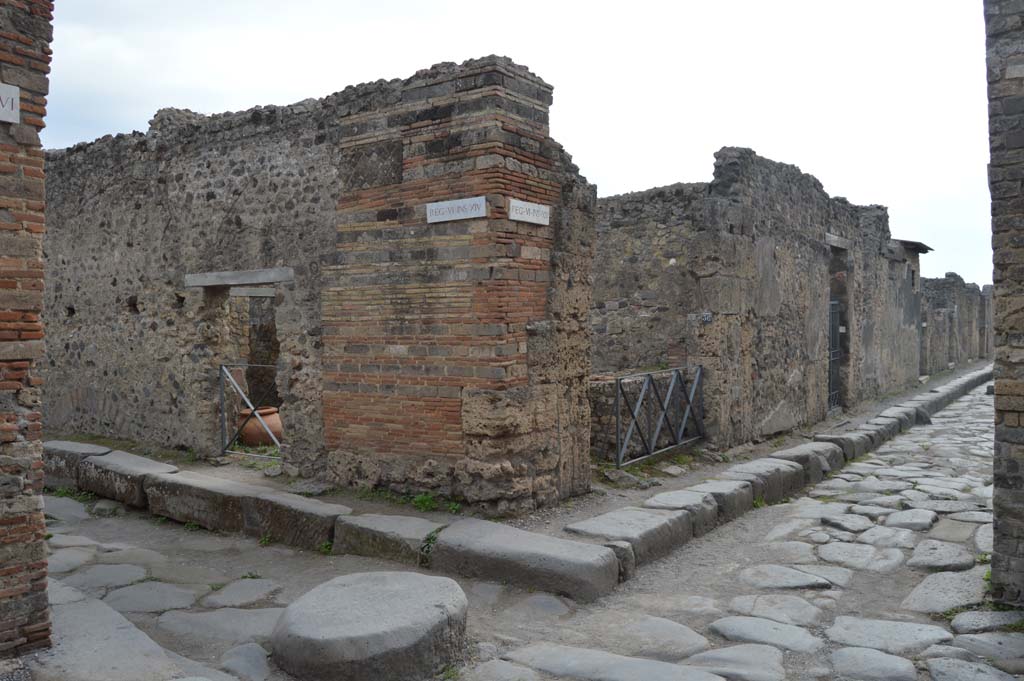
(446, 352)
(742, 276)
(25, 36)
(1004, 25)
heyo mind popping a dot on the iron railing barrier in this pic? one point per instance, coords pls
(225, 380)
(656, 417)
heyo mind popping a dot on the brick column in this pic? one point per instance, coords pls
(1004, 24)
(25, 34)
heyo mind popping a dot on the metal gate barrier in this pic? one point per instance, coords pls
(835, 353)
(226, 380)
(659, 421)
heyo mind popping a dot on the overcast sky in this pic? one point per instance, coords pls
(882, 100)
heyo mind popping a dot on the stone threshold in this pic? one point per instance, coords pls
(613, 544)
(666, 521)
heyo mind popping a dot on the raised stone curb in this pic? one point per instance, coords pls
(61, 460)
(651, 532)
(396, 537)
(479, 548)
(120, 476)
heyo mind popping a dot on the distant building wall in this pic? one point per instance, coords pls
(737, 275)
(447, 356)
(956, 323)
(25, 36)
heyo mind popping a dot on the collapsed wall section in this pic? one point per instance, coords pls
(448, 355)
(737, 275)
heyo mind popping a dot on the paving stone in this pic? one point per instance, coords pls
(881, 486)
(93, 642)
(187, 574)
(995, 646)
(861, 556)
(152, 597)
(197, 670)
(395, 537)
(734, 497)
(815, 510)
(892, 501)
(500, 670)
(380, 625)
(479, 548)
(241, 592)
(538, 607)
(839, 576)
(248, 662)
(947, 669)
(745, 662)
(66, 560)
(980, 621)
(107, 508)
(61, 594)
(898, 638)
(701, 506)
(868, 664)
(64, 509)
(972, 517)
(848, 522)
(226, 625)
(983, 539)
(952, 530)
(915, 495)
(773, 479)
(65, 541)
(789, 552)
(597, 665)
(134, 556)
(940, 506)
(915, 519)
(779, 607)
(942, 492)
(788, 527)
(948, 651)
(942, 591)
(769, 632)
(61, 459)
(652, 533)
(120, 476)
(873, 512)
(932, 554)
(105, 576)
(781, 577)
(654, 637)
(888, 537)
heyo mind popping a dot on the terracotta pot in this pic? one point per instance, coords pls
(253, 433)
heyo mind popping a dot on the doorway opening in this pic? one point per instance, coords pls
(838, 329)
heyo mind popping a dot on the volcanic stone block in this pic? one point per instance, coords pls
(387, 626)
(120, 476)
(853, 444)
(906, 417)
(779, 478)
(291, 519)
(734, 497)
(395, 537)
(652, 533)
(701, 506)
(61, 460)
(479, 548)
(209, 502)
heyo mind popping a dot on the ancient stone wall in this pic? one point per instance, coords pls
(25, 35)
(449, 356)
(1004, 25)
(956, 323)
(736, 275)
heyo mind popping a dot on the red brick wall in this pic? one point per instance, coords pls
(25, 34)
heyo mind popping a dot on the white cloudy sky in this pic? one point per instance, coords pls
(882, 100)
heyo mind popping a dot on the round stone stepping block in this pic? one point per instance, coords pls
(781, 577)
(867, 664)
(105, 576)
(779, 607)
(898, 638)
(241, 592)
(769, 632)
(153, 597)
(942, 591)
(949, 669)
(861, 556)
(385, 626)
(745, 662)
(932, 554)
(916, 519)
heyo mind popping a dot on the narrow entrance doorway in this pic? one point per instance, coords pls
(838, 331)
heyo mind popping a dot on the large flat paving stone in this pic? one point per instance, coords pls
(734, 497)
(101, 577)
(949, 669)
(500, 670)
(996, 646)
(888, 537)
(120, 476)
(779, 607)
(153, 597)
(917, 519)
(597, 665)
(395, 537)
(944, 506)
(66, 560)
(226, 625)
(848, 522)
(932, 554)
(781, 577)
(242, 592)
(788, 552)
(839, 576)
(701, 506)
(942, 591)
(656, 638)
(744, 662)
(388, 626)
(898, 638)
(65, 509)
(61, 459)
(952, 530)
(868, 664)
(980, 621)
(479, 548)
(861, 556)
(93, 642)
(769, 632)
(652, 533)
(984, 539)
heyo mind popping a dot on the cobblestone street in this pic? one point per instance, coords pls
(878, 573)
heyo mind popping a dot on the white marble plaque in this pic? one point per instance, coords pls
(459, 209)
(10, 103)
(524, 211)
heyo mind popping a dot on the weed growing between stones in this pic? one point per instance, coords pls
(427, 547)
(266, 540)
(252, 574)
(192, 526)
(759, 502)
(325, 548)
(454, 507)
(70, 493)
(425, 502)
(984, 558)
